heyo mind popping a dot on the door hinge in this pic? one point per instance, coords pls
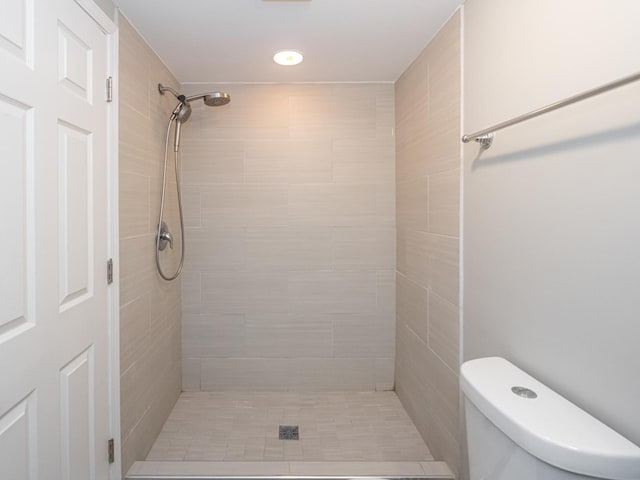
(111, 450)
(110, 89)
(109, 271)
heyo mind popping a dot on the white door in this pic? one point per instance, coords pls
(54, 418)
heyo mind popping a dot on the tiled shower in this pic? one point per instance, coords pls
(322, 262)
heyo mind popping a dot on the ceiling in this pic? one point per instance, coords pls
(234, 40)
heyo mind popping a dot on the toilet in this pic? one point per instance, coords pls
(519, 429)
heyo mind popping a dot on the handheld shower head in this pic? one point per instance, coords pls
(182, 111)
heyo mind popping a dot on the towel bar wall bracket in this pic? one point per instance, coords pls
(485, 140)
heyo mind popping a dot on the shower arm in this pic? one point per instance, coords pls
(162, 89)
(182, 98)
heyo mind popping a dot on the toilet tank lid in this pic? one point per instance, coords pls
(549, 426)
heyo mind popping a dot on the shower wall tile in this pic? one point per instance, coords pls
(288, 161)
(357, 248)
(191, 374)
(289, 335)
(191, 206)
(215, 335)
(444, 203)
(428, 244)
(212, 162)
(248, 374)
(412, 205)
(191, 292)
(332, 291)
(289, 280)
(318, 374)
(150, 310)
(134, 325)
(363, 336)
(384, 373)
(134, 192)
(215, 249)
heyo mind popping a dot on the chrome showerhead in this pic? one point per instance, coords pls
(216, 99)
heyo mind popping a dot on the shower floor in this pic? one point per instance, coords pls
(344, 426)
(231, 434)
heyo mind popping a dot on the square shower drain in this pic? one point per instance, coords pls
(289, 432)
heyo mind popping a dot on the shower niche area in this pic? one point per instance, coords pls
(313, 329)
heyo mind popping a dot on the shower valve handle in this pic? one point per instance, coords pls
(164, 237)
(167, 237)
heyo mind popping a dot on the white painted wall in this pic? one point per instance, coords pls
(552, 211)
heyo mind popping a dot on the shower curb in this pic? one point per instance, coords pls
(184, 470)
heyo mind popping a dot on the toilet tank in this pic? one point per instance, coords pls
(519, 429)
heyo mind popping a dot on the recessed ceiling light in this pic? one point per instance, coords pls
(288, 58)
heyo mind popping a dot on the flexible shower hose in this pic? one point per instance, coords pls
(162, 198)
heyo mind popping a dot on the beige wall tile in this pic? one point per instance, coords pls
(385, 373)
(413, 249)
(386, 292)
(191, 206)
(444, 203)
(134, 193)
(385, 205)
(332, 292)
(428, 203)
(215, 249)
(288, 336)
(191, 374)
(412, 204)
(309, 248)
(294, 218)
(350, 116)
(150, 308)
(270, 374)
(288, 161)
(363, 160)
(444, 279)
(134, 325)
(444, 336)
(191, 292)
(363, 336)
(212, 162)
(363, 248)
(354, 374)
(213, 335)
(412, 306)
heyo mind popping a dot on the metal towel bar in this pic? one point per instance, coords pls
(485, 137)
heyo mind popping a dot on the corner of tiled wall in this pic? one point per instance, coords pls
(150, 309)
(428, 98)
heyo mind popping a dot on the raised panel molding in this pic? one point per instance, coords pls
(74, 63)
(16, 189)
(16, 29)
(77, 418)
(18, 453)
(75, 190)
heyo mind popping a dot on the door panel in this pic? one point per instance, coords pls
(75, 206)
(77, 418)
(16, 29)
(16, 135)
(54, 418)
(18, 440)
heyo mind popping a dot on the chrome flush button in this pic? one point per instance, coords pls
(524, 392)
